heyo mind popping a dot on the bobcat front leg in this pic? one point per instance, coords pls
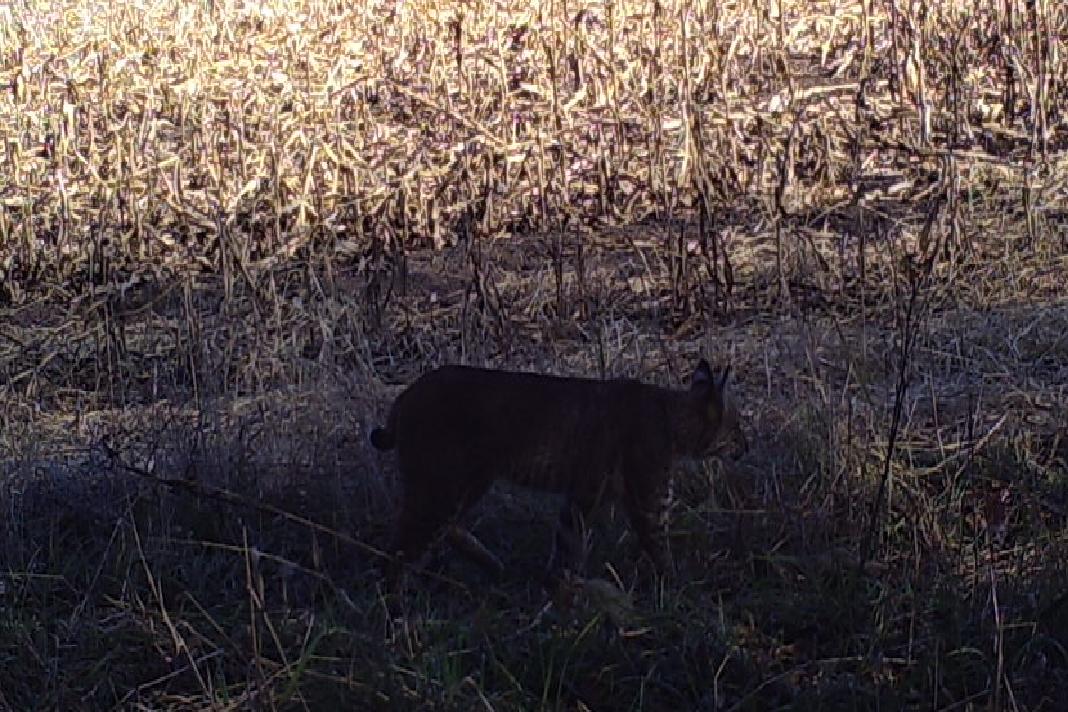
(569, 541)
(648, 508)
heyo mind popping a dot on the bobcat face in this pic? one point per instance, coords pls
(722, 434)
(457, 429)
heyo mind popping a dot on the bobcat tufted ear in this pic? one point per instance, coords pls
(722, 382)
(702, 375)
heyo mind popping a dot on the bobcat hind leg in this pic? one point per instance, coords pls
(428, 512)
(417, 527)
(469, 545)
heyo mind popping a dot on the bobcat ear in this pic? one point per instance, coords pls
(702, 375)
(721, 384)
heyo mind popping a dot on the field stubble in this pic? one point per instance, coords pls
(229, 230)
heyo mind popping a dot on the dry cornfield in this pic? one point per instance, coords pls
(229, 231)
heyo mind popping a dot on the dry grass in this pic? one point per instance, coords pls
(228, 230)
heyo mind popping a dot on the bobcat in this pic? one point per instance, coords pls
(457, 429)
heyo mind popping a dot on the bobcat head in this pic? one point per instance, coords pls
(719, 430)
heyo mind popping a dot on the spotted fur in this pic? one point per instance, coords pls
(457, 429)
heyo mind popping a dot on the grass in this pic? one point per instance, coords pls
(229, 232)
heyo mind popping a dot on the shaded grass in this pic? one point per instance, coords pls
(172, 599)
